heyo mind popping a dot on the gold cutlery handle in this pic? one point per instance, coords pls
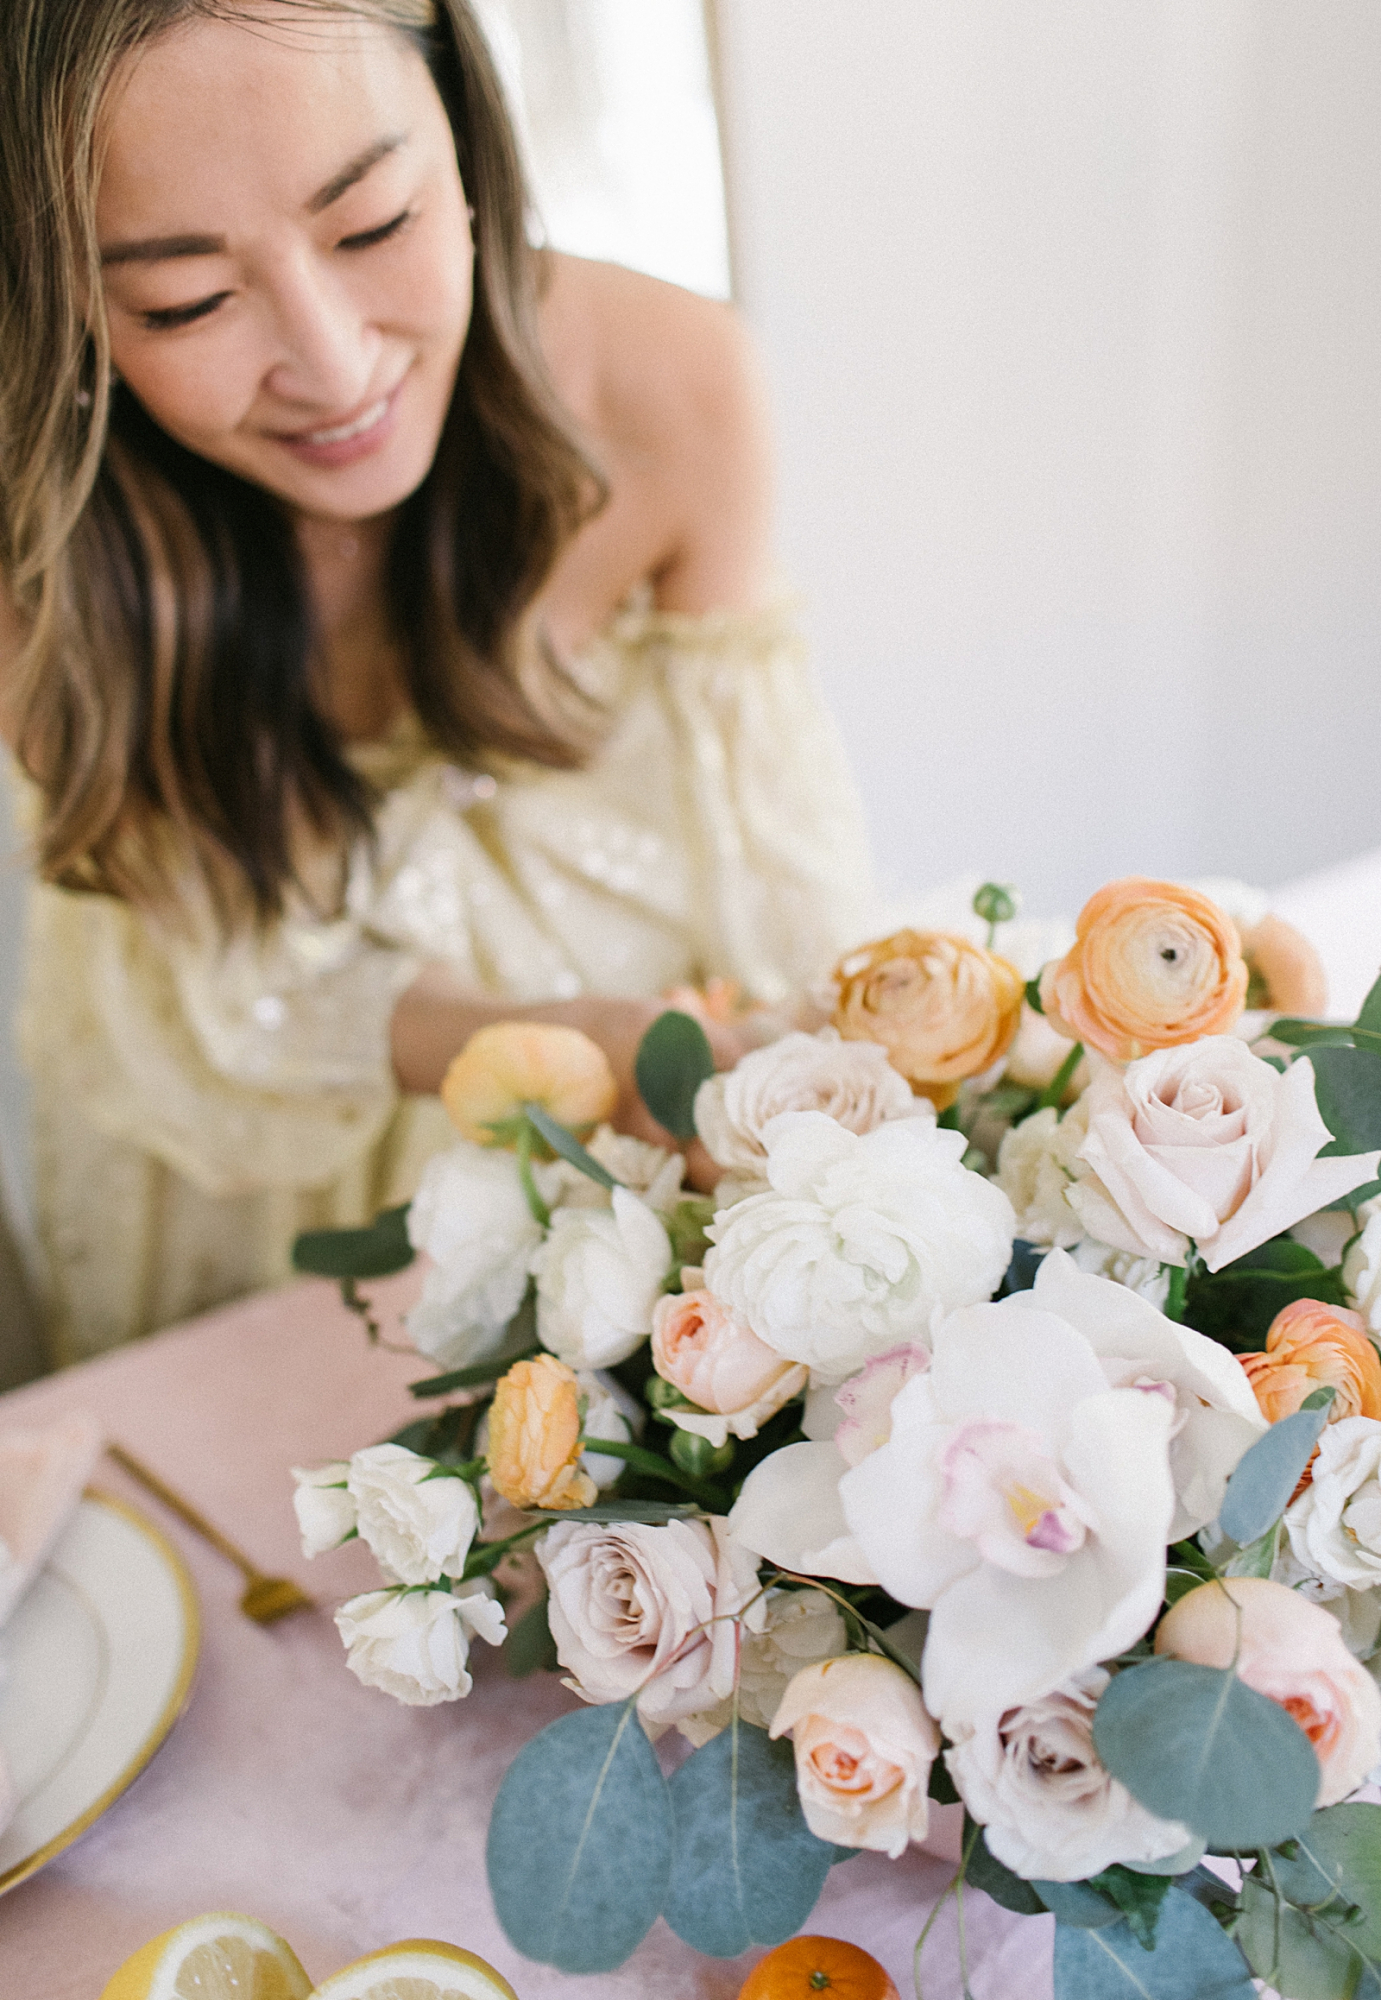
(184, 1510)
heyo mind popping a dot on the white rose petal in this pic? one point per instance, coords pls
(471, 1218)
(1049, 1809)
(610, 1412)
(851, 1082)
(800, 1627)
(1335, 1525)
(1362, 1273)
(323, 1505)
(863, 1241)
(418, 1524)
(414, 1644)
(1036, 1163)
(599, 1274)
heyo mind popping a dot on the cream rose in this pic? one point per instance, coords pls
(418, 1520)
(1037, 1162)
(415, 1644)
(800, 1627)
(471, 1218)
(863, 1240)
(1153, 965)
(864, 1747)
(944, 1009)
(1049, 1809)
(1207, 1145)
(599, 1274)
(1335, 1524)
(324, 1506)
(851, 1082)
(1292, 1652)
(646, 1611)
(716, 1360)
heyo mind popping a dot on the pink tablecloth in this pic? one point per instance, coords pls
(288, 1790)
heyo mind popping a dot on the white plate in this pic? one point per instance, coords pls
(97, 1665)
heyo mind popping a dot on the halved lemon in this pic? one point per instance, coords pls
(218, 1957)
(420, 1969)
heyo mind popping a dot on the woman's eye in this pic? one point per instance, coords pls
(166, 316)
(369, 237)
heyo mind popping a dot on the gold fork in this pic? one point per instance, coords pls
(265, 1598)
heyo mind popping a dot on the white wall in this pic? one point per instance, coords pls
(1072, 313)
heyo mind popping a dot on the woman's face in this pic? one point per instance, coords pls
(287, 254)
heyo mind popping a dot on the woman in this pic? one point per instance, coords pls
(386, 639)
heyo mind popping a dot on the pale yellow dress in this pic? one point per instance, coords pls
(196, 1104)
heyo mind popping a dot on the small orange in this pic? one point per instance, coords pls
(805, 1967)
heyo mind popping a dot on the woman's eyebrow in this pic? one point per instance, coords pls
(157, 249)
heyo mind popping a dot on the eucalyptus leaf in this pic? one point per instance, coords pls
(580, 1841)
(1309, 1956)
(1260, 1488)
(1337, 1867)
(1347, 1086)
(747, 1868)
(374, 1252)
(1196, 1744)
(1193, 1959)
(1078, 1904)
(987, 1873)
(674, 1059)
(1370, 1016)
(1139, 1895)
(563, 1141)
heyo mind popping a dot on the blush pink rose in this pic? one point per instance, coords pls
(864, 1747)
(1292, 1652)
(717, 1362)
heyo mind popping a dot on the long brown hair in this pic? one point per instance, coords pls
(164, 700)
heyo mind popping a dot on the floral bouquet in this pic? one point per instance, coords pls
(1004, 1429)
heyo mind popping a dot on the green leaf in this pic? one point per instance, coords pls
(375, 1252)
(1193, 1959)
(1310, 1034)
(941, 1786)
(1260, 1488)
(529, 1647)
(987, 1873)
(1237, 1304)
(1033, 995)
(686, 1226)
(1138, 1895)
(1078, 1904)
(580, 1841)
(652, 1513)
(1335, 1868)
(1347, 1085)
(563, 1141)
(1258, 1558)
(747, 1868)
(1370, 1016)
(1196, 1744)
(1308, 1956)
(674, 1059)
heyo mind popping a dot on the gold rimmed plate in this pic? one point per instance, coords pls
(95, 1667)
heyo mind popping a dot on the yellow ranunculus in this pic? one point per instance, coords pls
(534, 1437)
(943, 1009)
(513, 1063)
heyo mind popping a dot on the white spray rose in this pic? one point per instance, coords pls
(647, 1611)
(1362, 1272)
(1049, 1808)
(1146, 1276)
(1335, 1524)
(862, 1243)
(414, 1644)
(419, 1523)
(323, 1505)
(610, 1412)
(800, 1628)
(471, 1218)
(1022, 1501)
(648, 1170)
(851, 1082)
(1205, 1144)
(599, 1275)
(1036, 1163)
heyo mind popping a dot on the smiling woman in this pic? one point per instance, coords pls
(384, 630)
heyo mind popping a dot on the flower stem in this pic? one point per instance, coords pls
(656, 1467)
(1049, 1099)
(485, 1557)
(1175, 1297)
(541, 1214)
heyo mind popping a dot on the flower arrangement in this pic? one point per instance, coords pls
(1004, 1429)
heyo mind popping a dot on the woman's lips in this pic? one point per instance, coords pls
(354, 438)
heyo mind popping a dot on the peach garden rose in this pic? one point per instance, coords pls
(717, 1362)
(944, 1009)
(864, 1747)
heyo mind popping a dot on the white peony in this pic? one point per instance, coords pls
(1036, 1163)
(599, 1275)
(414, 1644)
(418, 1522)
(800, 1628)
(1216, 1417)
(1049, 1808)
(1362, 1272)
(1205, 1144)
(1022, 1501)
(1335, 1524)
(471, 1218)
(323, 1505)
(863, 1242)
(851, 1082)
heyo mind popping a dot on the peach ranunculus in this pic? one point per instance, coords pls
(1313, 1346)
(1152, 965)
(1287, 974)
(864, 1747)
(943, 1008)
(534, 1442)
(717, 1361)
(512, 1063)
(1293, 1652)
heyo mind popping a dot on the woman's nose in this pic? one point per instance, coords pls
(326, 351)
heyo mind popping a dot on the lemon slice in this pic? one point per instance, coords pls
(420, 1969)
(218, 1957)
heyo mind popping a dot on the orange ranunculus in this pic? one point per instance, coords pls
(513, 1063)
(1152, 966)
(943, 1009)
(1313, 1346)
(1287, 973)
(534, 1437)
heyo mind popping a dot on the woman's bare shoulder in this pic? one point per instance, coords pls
(667, 385)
